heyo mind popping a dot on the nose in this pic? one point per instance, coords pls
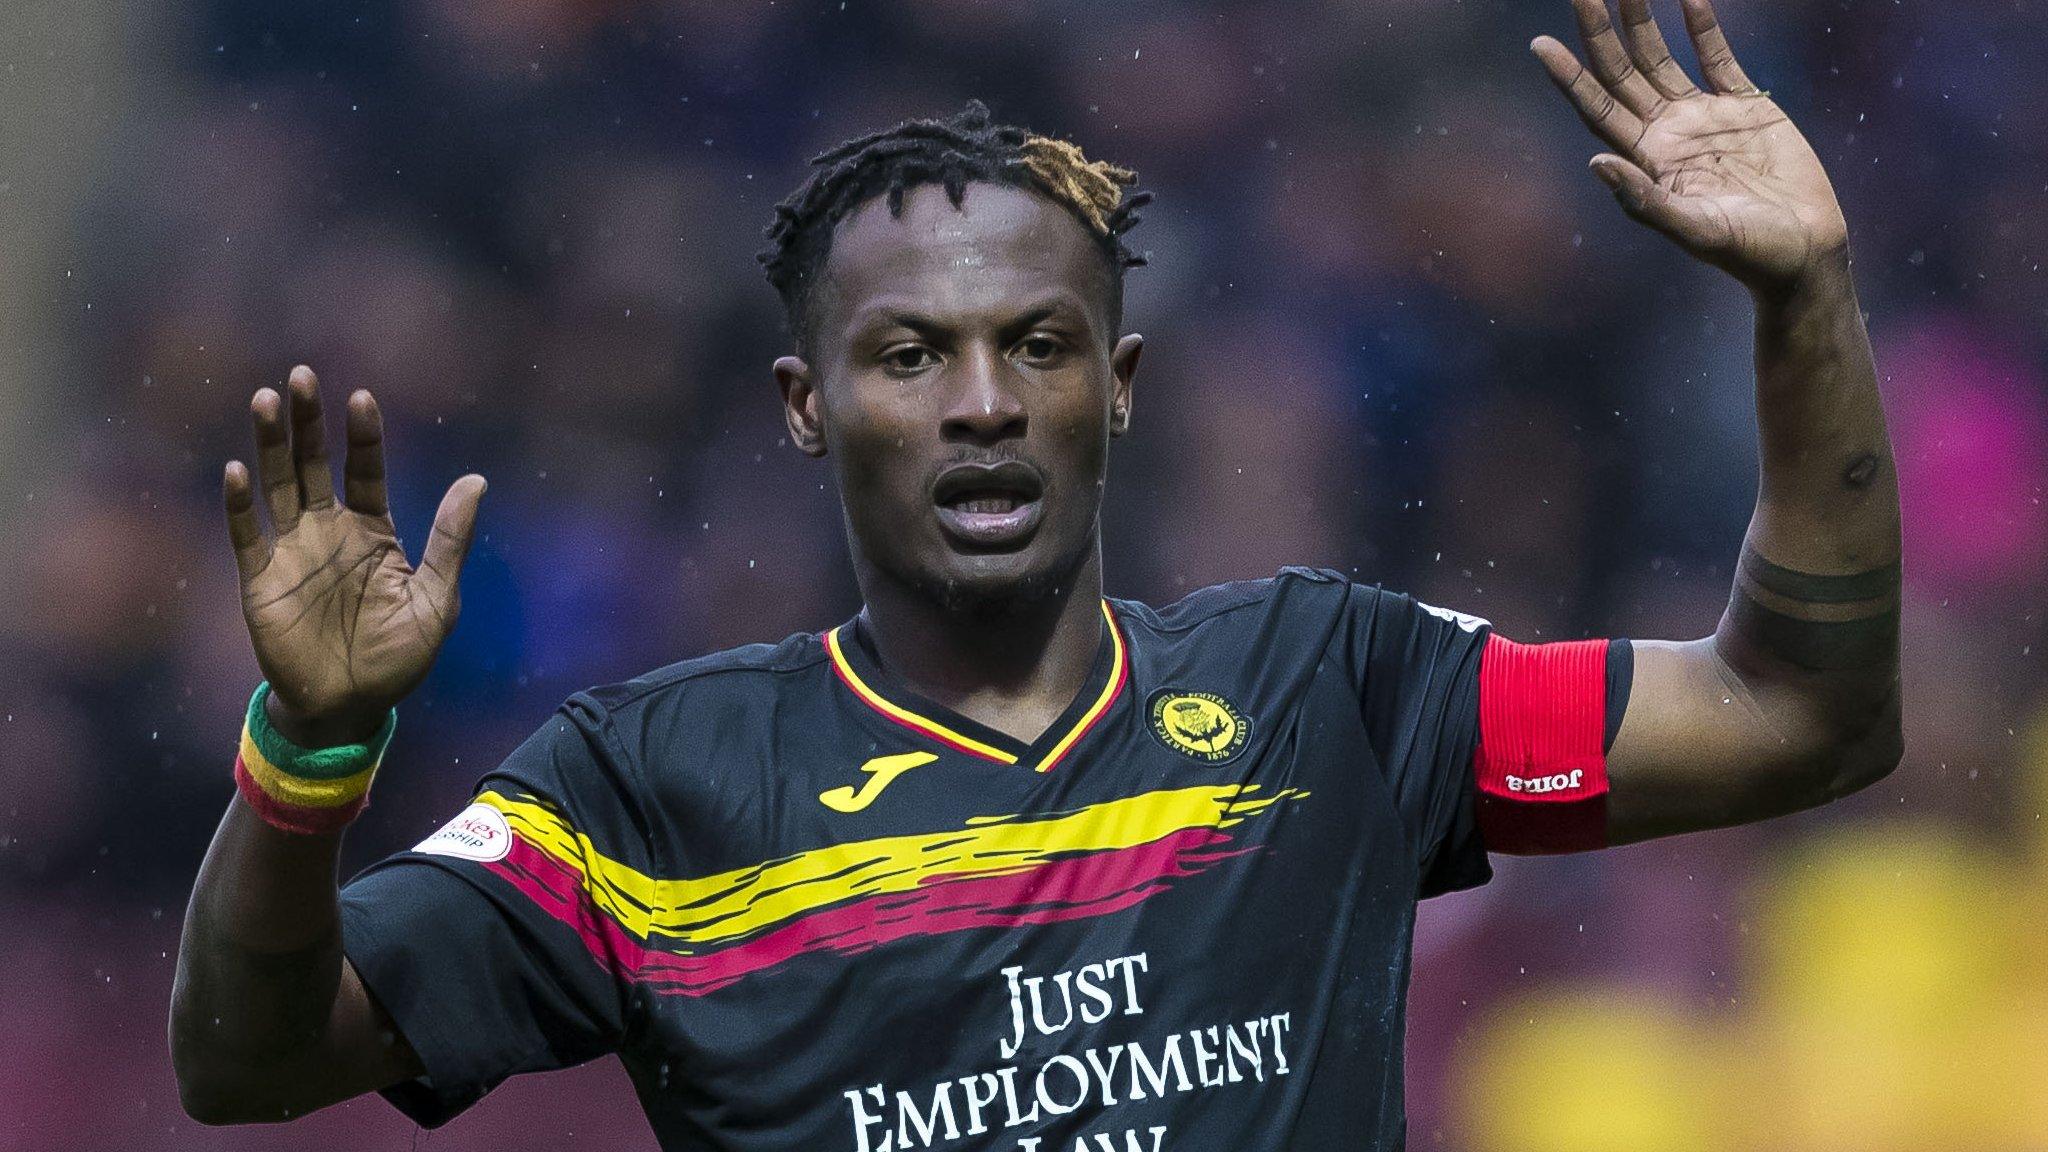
(985, 406)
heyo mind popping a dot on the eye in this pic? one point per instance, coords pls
(1038, 348)
(908, 359)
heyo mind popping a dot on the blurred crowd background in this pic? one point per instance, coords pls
(1393, 326)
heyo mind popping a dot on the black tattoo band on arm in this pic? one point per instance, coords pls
(1818, 645)
(1811, 589)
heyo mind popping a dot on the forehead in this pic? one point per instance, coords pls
(1003, 250)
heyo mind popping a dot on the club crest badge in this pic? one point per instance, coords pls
(1201, 725)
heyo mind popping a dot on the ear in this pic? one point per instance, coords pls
(1123, 364)
(800, 405)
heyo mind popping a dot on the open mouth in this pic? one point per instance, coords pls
(989, 506)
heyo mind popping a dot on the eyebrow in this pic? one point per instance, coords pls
(924, 324)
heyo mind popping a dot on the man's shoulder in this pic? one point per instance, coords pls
(1294, 606)
(1288, 587)
(748, 670)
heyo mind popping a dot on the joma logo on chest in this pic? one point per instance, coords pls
(881, 772)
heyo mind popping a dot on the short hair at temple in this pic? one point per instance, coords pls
(967, 147)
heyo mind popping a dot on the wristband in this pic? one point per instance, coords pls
(305, 790)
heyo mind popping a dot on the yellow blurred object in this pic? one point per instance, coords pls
(1898, 921)
(1592, 1071)
(1898, 1004)
(1891, 973)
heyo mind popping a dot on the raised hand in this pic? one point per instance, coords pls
(343, 626)
(1719, 169)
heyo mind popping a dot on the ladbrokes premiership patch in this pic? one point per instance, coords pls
(1202, 725)
(478, 833)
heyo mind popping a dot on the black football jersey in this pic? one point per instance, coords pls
(810, 910)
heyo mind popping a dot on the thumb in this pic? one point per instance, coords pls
(1647, 202)
(448, 542)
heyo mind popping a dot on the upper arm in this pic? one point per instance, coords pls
(1696, 743)
(1704, 745)
(360, 1050)
(485, 944)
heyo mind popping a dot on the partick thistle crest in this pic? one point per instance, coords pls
(1202, 725)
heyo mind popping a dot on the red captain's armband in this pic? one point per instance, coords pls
(1541, 764)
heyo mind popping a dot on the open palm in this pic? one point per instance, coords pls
(342, 624)
(1721, 170)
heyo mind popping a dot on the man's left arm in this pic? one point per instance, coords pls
(1794, 700)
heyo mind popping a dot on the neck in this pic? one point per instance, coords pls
(1014, 667)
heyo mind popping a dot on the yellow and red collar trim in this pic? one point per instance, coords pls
(953, 738)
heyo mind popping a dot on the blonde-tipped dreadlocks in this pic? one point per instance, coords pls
(1094, 188)
(965, 148)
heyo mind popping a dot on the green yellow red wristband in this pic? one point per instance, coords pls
(305, 790)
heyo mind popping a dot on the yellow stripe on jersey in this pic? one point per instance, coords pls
(742, 901)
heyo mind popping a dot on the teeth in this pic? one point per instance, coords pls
(988, 504)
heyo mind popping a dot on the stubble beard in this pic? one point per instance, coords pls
(1000, 597)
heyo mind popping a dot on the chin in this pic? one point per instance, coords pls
(994, 584)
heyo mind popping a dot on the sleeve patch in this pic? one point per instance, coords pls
(1464, 620)
(477, 833)
(1541, 764)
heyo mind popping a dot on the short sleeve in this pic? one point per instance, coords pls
(482, 944)
(1418, 678)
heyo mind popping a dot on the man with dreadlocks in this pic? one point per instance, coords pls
(1000, 863)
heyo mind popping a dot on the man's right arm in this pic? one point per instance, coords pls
(268, 1019)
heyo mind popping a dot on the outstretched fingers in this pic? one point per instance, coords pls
(1646, 46)
(274, 460)
(309, 441)
(1606, 116)
(1610, 62)
(252, 551)
(1717, 59)
(448, 544)
(362, 469)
